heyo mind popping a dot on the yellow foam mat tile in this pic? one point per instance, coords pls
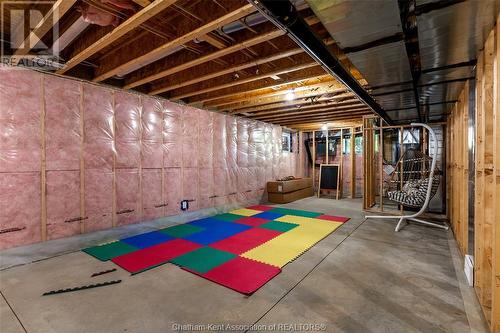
(304, 220)
(245, 212)
(286, 247)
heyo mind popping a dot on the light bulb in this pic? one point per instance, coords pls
(290, 96)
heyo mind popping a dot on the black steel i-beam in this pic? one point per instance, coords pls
(284, 16)
(410, 32)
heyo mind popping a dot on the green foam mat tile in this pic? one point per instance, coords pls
(228, 217)
(296, 212)
(202, 260)
(181, 230)
(278, 226)
(109, 251)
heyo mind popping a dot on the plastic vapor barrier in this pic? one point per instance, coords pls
(77, 157)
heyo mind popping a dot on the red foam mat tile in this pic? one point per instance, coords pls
(241, 274)
(141, 260)
(333, 218)
(245, 241)
(262, 208)
(252, 221)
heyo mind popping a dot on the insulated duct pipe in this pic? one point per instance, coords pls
(284, 16)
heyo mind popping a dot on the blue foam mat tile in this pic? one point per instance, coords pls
(269, 215)
(217, 233)
(148, 239)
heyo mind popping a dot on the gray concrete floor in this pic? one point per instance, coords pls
(362, 278)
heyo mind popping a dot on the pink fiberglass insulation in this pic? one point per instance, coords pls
(205, 139)
(219, 142)
(63, 124)
(190, 186)
(152, 126)
(190, 148)
(63, 204)
(127, 196)
(258, 139)
(99, 127)
(172, 135)
(220, 177)
(128, 130)
(20, 120)
(242, 142)
(206, 187)
(173, 190)
(231, 142)
(152, 202)
(114, 157)
(20, 211)
(98, 200)
(252, 144)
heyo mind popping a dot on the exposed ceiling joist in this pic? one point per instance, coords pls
(247, 85)
(327, 88)
(318, 82)
(340, 106)
(157, 71)
(130, 24)
(311, 101)
(324, 105)
(107, 71)
(59, 8)
(325, 119)
(341, 113)
(153, 74)
(194, 76)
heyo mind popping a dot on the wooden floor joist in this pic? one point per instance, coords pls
(130, 24)
(267, 90)
(304, 109)
(200, 60)
(297, 104)
(324, 119)
(194, 76)
(310, 113)
(144, 59)
(326, 88)
(351, 112)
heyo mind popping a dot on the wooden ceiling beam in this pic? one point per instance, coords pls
(326, 118)
(142, 3)
(212, 70)
(214, 41)
(254, 82)
(188, 30)
(331, 102)
(209, 38)
(161, 69)
(56, 12)
(344, 110)
(295, 104)
(343, 106)
(326, 88)
(301, 83)
(228, 82)
(130, 24)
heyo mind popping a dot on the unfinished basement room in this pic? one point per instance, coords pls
(250, 166)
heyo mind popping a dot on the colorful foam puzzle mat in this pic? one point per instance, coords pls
(241, 250)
